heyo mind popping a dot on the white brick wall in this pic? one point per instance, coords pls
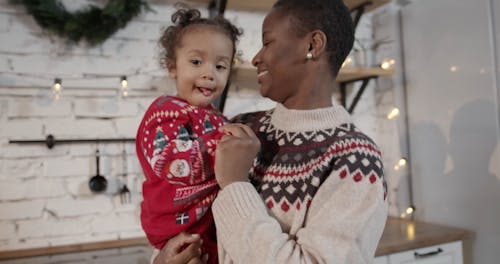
(44, 195)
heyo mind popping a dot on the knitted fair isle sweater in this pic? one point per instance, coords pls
(317, 192)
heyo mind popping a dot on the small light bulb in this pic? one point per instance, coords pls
(57, 84)
(409, 210)
(125, 93)
(124, 82)
(403, 215)
(385, 65)
(402, 162)
(393, 113)
(453, 68)
(396, 167)
(57, 89)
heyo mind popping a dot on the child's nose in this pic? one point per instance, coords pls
(208, 74)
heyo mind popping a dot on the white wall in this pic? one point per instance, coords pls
(450, 49)
(44, 198)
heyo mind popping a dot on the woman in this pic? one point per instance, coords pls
(316, 192)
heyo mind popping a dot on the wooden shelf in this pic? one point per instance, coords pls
(356, 73)
(248, 74)
(265, 5)
(53, 250)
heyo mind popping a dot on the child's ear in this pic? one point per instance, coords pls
(172, 70)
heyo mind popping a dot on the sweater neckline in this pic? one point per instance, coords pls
(293, 120)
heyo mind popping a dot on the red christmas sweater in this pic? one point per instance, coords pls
(175, 145)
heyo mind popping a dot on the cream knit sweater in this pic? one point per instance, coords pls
(317, 193)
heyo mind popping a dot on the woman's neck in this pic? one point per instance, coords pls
(315, 91)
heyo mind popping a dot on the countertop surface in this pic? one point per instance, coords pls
(399, 235)
(403, 234)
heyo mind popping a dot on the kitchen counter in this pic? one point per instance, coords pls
(399, 235)
(403, 234)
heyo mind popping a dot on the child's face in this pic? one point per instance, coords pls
(202, 67)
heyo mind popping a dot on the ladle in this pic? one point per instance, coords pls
(98, 183)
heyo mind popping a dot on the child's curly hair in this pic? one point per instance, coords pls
(185, 19)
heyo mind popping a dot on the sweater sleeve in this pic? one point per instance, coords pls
(343, 224)
(177, 170)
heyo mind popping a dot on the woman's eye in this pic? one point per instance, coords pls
(196, 62)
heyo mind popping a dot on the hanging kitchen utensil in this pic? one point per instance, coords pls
(98, 183)
(125, 196)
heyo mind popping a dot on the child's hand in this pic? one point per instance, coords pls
(171, 253)
(235, 154)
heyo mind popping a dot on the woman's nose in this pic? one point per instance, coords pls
(256, 59)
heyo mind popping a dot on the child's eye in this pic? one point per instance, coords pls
(196, 62)
(220, 67)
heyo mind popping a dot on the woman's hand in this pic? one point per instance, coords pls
(171, 253)
(235, 154)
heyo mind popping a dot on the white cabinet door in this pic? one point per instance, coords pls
(450, 253)
(381, 260)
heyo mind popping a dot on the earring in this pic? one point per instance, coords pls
(309, 56)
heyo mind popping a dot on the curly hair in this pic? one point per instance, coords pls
(184, 20)
(332, 17)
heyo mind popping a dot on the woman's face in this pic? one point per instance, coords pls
(280, 62)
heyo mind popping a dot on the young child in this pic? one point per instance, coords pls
(177, 136)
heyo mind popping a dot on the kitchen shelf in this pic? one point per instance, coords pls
(265, 5)
(246, 73)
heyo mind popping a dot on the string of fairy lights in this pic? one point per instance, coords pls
(393, 114)
(57, 86)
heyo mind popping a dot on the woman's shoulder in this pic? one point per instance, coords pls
(350, 132)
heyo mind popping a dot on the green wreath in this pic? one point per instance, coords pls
(92, 24)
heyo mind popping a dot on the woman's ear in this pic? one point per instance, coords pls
(317, 44)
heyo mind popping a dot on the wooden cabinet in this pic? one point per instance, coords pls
(414, 242)
(449, 253)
